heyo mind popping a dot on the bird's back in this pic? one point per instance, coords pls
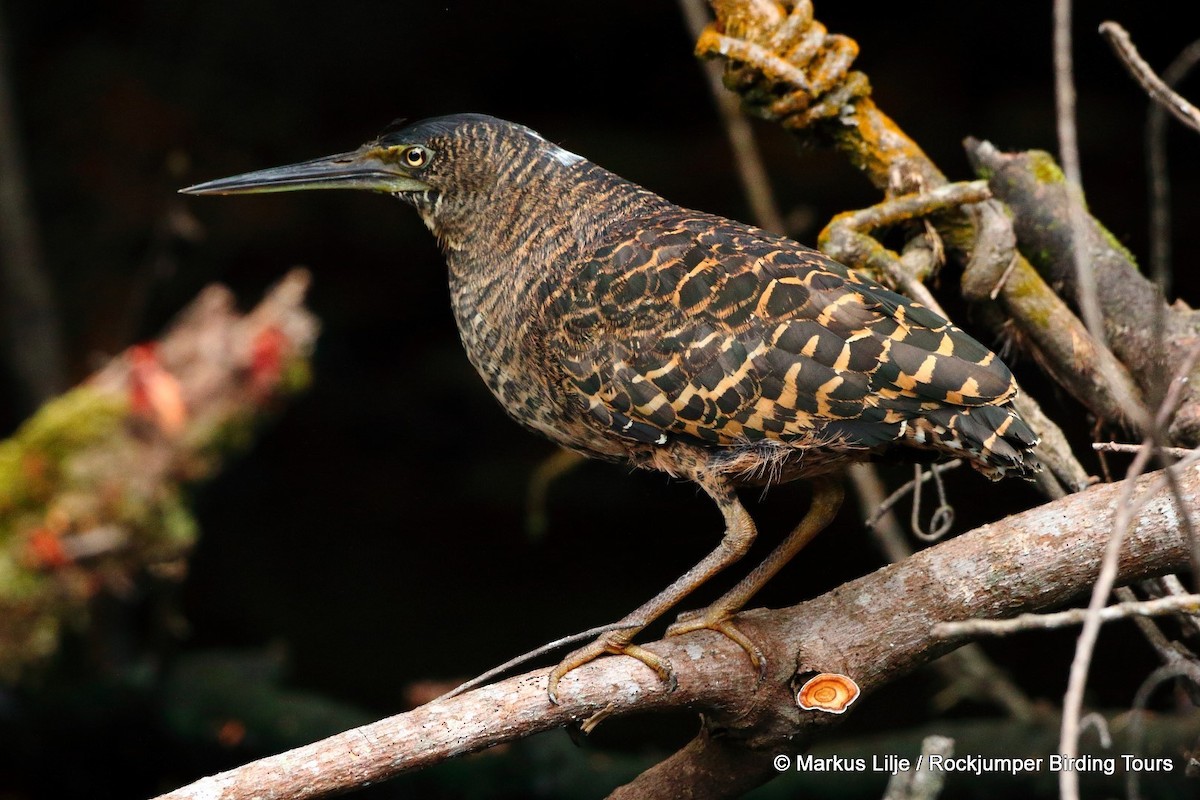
(687, 327)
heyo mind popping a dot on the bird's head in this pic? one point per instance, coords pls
(440, 165)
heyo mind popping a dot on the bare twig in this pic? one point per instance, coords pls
(971, 674)
(1097, 720)
(881, 522)
(1068, 154)
(1156, 638)
(1061, 619)
(1171, 585)
(942, 517)
(1177, 669)
(1123, 447)
(1156, 168)
(1155, 86)
(535, 653)
(898, 495)
(1077, 680)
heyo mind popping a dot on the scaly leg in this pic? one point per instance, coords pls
(739, 534)
(827, 498)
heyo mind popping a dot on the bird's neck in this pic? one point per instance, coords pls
(504, 252)
(546, 218)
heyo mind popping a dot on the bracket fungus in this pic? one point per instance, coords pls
(830, 692)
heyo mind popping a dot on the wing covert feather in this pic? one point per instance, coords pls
(713, 330)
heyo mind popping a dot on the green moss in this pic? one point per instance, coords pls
(1043, 167)
(30, 460)
(178, 527)
(11, 485)
(1116, 245)
(17, 583)
(78, 418)
(297, 376)
(1025, 287)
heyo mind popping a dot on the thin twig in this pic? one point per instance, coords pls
(1158, 90)
(1170, 584)
(1077, 679)
(1088, 296)
(899, 494)
(1129, 447)
(1157, 639)
(1096, 720)
(1156, 167)
(1178, 669)
(1068, 745)
(885, 528)
(968, 671)
(537, 651)
(1068, 153)
(943, 516)
(1076, 616)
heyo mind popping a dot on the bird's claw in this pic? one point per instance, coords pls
(614, 643)
(721, 622)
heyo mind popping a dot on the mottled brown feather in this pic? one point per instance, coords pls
(711, 331)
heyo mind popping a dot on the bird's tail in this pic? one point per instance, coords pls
(993, 439)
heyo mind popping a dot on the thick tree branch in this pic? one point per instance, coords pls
(874, 629)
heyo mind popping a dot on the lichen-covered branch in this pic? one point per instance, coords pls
(1130, 304)
(92, 486)
(874, 629)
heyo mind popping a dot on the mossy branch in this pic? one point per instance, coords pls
(1145, 333)
(92, 487)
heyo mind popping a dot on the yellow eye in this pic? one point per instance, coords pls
(415, 156)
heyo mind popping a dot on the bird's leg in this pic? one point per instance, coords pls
(827, 498)
(739, 535)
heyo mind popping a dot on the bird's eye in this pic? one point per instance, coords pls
(416, 156)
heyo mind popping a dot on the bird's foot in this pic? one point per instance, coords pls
(615, 643)
(715, 618)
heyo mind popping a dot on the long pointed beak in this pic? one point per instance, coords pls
(360, 169)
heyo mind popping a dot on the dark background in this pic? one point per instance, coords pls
(376, 534)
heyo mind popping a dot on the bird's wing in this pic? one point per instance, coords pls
(705, 328)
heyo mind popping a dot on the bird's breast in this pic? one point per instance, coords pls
(503, 334)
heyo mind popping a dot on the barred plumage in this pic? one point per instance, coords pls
(696, 328)
(625, 327)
